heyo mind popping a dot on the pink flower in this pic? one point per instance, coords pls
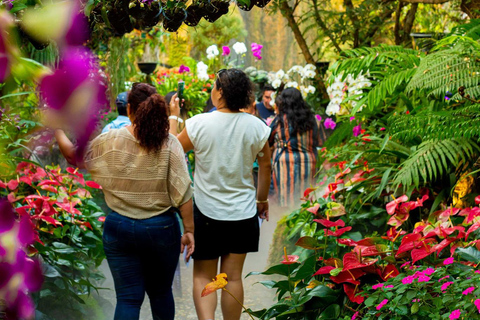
(423, 278)
(428, 271)
(468, 290)
(384, 302)
(290, 259)
(318, 117)
(442, 278)
(183, 69)
(405, 264)
(329, 124)
(407, 280)
(257, 50)
(445, 285)
(376, 286)
(352, 118)
(382, 129)
(225, 51)
(356, 130)
(355, 316)
(448, 261)
(477, 271)
(455, 314)
(477, 304)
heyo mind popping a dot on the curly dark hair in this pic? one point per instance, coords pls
(150, 116)
(291, 105)
(237, 89)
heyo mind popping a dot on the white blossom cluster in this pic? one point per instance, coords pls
(277, 78)
(239, 48)
(212, 52)
(339, 90)
(202, 71)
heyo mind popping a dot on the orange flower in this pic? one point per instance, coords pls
(219, 282)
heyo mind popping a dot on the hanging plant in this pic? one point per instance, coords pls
(260, 3)
(245, 5)
(174, 14)
(119, 18)
(146, 13)
(215, 10)
(195, 13)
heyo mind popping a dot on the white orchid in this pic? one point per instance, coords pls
(291, 84)
(311, 89)
(309, 67)
(202, 71)
(280, 74)
(239, 48)
(297, 69)
(212, 52)
(309, 74)
(332, 109)
(276, 83)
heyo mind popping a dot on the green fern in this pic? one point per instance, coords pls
(471, 29)
(458, 123)
(448, 69)
(432, 159)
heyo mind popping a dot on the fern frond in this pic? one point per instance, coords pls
(471, 29)
(458, 123)
(432, 159)
(447, 70)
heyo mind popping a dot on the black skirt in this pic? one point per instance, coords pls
(215, 238)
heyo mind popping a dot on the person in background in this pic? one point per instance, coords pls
(143, 174)
(264, 108)
(122, 120)
(295, 137)
(227, 206)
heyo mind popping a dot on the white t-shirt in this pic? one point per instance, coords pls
(226, 145)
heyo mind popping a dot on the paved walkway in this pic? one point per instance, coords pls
(256, 295)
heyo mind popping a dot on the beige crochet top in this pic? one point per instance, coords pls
(136, 183)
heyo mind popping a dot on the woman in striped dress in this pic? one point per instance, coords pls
(295, 137)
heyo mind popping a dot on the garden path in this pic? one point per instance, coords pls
(256, 295)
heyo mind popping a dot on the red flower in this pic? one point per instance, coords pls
(330, 224)
(338, 232)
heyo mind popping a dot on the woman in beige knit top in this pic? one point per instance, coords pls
(142, 171)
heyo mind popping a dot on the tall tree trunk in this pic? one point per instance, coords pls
(287, 12)
(471, 8)
(355, 23)
(322, 25)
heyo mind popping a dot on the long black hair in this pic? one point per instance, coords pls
(291, 105)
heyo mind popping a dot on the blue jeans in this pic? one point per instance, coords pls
(142, 256)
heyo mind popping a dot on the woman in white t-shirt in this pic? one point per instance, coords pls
(226, 142)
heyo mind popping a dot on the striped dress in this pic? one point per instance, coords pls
(294, 161)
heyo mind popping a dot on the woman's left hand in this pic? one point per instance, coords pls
(262, 209)
(188, 241)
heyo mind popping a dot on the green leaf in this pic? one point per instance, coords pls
(310, 243)
(331, 312)
(281, 269)
(470, 254)
(63, 248)
(370, 301)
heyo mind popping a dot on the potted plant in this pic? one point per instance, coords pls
(119, 18)
(195, 13)
(245, 5)
(174, 14)
(260, 3)
(215, 10)
(146, 13)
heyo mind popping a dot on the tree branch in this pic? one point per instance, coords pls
(287, 12)
(371, 33)
(409, 19)
(396, 30)
(324, 27)
(353, 17)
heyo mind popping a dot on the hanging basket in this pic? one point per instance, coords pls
(215, 10)
(194, 15)
(173, 18)
(119, 18)
(245, 7)
(147, 67)
(146, 17)
(260, 3)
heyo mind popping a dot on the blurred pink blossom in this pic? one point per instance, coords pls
(225, 51)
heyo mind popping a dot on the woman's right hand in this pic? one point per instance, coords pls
(188, 241)
(174, 105)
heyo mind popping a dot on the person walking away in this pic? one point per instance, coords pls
(294, 138)
(227, 206)
(144, 177)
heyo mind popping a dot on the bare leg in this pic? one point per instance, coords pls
(232, 265)
(203, 272)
